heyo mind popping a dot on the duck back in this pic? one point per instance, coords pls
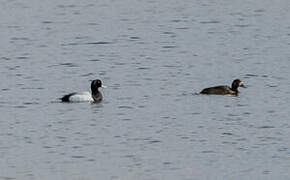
(219, 90)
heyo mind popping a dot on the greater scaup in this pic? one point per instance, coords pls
(95, 96)
(224, 90)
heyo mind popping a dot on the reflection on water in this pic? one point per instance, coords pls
(155, 57)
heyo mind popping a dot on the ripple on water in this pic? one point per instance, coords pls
(61, 138)
(250, 75)
(91, 160)
(182, 28)
(87, 74)
(71, 44)
(13, 68)
(208, 152)
(7, 178)
(19, 107)
(228, 134)
(169, 47)
(5, 89)
(247, 113)
(242, 25)
(98, 43)
(170, 34)
(242, 105)
(154, 141)
(135, 38)
(68, 64)
(266, 127)
(271, 85)
(92, 24)
(232, 115)
(126, 119)
(78, 157)
(47, 147)
(22, 57)
(28, 140)
(210, 22)
(271, 111)
(143, 68)
(94, 60)
(30, 103)
(19, 39)
(5, 58)
(125, 107)
(141, 106)
(47, 22)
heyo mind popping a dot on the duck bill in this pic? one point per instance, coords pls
(242, 85)
(104, 86)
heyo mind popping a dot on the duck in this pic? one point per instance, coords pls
(224, 90)
(94, 96)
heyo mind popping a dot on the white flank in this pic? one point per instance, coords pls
(81, 97)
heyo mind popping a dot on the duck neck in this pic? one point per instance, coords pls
(95, 91)
(234, 88)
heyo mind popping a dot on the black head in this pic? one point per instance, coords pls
(237, 83)
(96, 84)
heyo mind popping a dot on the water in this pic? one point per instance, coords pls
(154, 56)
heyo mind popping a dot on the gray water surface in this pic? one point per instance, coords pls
(154, 56)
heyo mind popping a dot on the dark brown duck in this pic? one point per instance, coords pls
(224, 90)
